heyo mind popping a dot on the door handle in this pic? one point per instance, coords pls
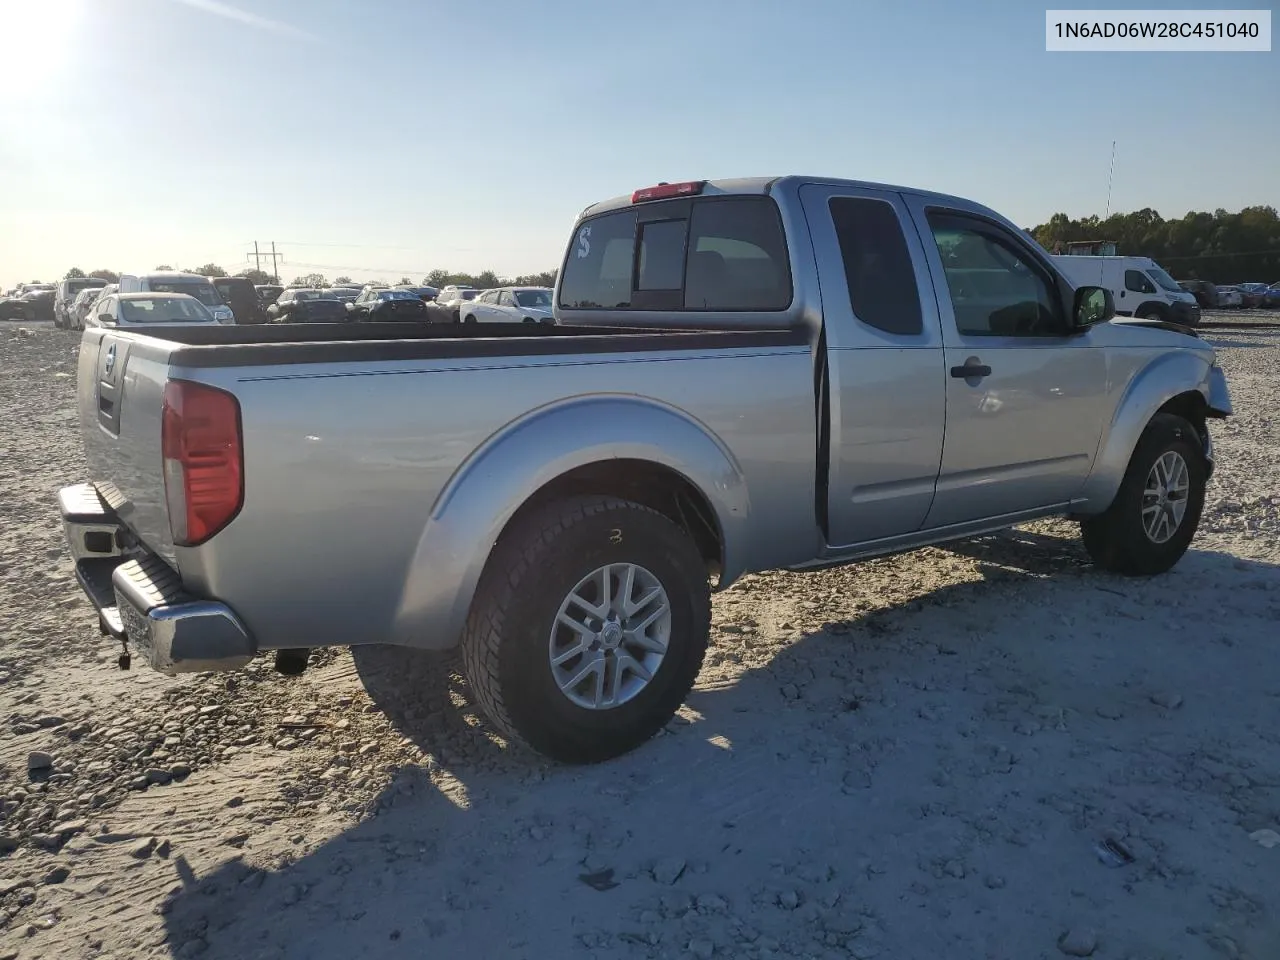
(971, 370)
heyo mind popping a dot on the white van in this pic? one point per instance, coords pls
(1139, 286)
(192, 284)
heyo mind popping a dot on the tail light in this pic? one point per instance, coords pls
(203, 460)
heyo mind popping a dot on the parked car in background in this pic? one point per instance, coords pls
(65, 294)
(39, 305)
(13, 308)
(148, 309)
(1253, 294)
(302, 305)
(1230, 297)
(381, 306)
(80, 306)
(25, 288)
(1206, 293)
(345, 294)
(268, 292)
(242, 297)
(448, 303)
(426, 294)
(510, 305)
(1273, 295)
(192, 284)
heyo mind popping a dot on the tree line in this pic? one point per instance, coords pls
(1220, 247)
(436, 278)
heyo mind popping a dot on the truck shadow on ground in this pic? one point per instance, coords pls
(826, 753)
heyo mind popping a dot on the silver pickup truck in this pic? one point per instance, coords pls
(744, 375)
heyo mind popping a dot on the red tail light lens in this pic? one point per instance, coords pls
(203, 460)
(665, 191)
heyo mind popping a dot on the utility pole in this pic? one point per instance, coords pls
(274, 255)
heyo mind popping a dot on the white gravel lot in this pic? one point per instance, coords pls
(983, 751)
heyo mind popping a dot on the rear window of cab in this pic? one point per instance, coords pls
(708, 254)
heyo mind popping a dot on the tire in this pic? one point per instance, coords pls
(1117, 540)
(512, 627)
(1151, 313)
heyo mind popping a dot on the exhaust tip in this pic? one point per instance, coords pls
(292, 662)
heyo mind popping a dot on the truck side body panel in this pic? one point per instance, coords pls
(345, 467)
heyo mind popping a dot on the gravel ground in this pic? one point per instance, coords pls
(983, 751)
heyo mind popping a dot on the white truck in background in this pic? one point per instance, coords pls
(1138, 285)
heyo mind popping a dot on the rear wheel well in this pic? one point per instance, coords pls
(643, 482)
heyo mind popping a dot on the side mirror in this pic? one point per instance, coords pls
(1092, 305)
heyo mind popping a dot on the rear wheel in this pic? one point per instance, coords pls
(588, 628)
(1150, 313)
(1154, 516)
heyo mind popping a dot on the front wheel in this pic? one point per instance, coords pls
(1149, 525)
(588, 628)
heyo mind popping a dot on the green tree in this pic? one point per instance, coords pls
(255, 276)
(75, 273)
(1221, 247)
(436, 278)
(164, 266)
(405, 282)
(341, 280)
(310, 280)
(108, 275)
(208, 270)
(547, 278)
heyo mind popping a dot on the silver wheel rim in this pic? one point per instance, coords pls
(610, 636)
(1164, 501)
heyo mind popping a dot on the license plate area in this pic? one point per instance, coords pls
(135, 627)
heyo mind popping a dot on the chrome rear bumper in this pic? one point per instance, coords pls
(140, 598)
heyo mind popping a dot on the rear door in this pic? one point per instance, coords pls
(1026, 397)
(886, 383)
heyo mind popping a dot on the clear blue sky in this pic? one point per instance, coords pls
(379, 136)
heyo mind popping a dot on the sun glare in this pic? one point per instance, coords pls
(41, 38)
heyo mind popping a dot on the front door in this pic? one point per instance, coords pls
(1026, 395)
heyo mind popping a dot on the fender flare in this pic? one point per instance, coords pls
(1166, 377)
(522, 457)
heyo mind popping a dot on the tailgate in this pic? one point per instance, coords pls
(120, 388)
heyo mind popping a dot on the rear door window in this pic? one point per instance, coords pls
(877, 265)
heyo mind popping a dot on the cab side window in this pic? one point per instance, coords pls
(1135, 281)
(877, 265)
